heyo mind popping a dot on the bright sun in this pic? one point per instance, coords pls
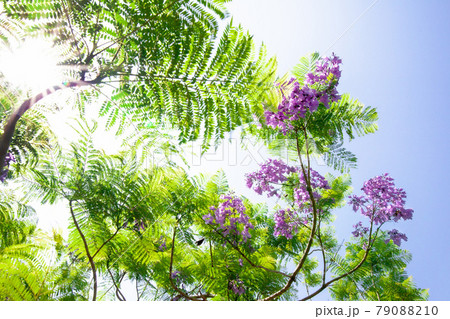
(30, 65)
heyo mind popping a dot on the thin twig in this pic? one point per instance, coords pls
(86, 248)
(119, 294)
(137, 290)
(370, 242)
(71, 30)
(109, 239)
(181, 292)
(319, 237)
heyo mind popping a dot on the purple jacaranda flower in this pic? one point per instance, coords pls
(237, 286)
(382, 202)
(360, 230)
(230, 217)
(162, 243)
(271, 172)
(319, 87)
(8, 159)
(271, 176)
(396, 237)
(175, 274)
(287, 223)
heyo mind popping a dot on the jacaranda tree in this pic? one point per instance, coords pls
(165, 66)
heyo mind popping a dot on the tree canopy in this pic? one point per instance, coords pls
(175, 68)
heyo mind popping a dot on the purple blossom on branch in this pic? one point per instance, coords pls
(237, 286)
(360, 231)
(319, 87)
(162, 243)
(271, 172)
(301, 194)
(230, 217)
(275, 172)
(8, 159)
(175, 274)
(287, 223)
(326, 78)
(383, 202)
(396, 237)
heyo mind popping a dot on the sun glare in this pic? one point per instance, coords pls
(30, 65)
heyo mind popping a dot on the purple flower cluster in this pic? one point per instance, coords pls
(326, 78)
(293, 108)
(287, 223)
(301, 194)
(319, 87)
(162, 243)
(360, 231)
(230, 216)
(383, 202)
(396, 237)
(175, 274)
(8, 159)
(139, 224)
(237, 286)
(271, 172)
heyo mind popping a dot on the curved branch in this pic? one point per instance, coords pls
(366, 254)
(313, 230)
(86, 248)
(109, 239)
(119, 294)
(10, 126)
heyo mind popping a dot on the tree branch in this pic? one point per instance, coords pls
(10, 126)
(319, 237)
(211, 254)
(119, 294)
(181, 292)
(109, 239)
(86, 248)
(370, 242)
(137, 290)
(313, 230)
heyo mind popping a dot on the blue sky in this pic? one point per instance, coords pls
(395, 57)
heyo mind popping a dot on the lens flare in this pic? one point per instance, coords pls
(30, 65)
